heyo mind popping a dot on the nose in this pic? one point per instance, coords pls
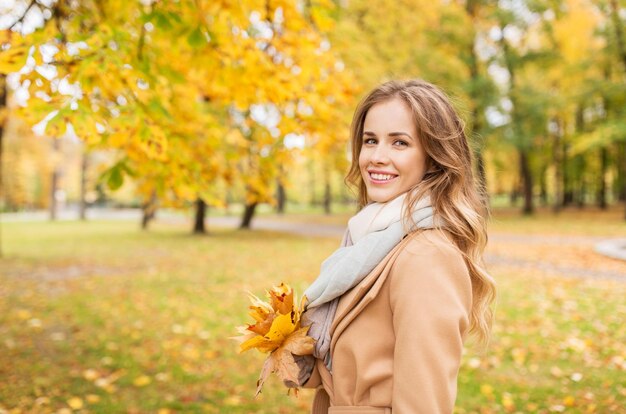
(380, 155)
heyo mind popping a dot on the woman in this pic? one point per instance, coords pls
(391, 308)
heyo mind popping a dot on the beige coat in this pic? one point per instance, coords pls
(397, 336)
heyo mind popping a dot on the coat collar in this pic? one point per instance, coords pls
(361, 295)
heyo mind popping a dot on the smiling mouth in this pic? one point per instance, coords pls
(381, 178)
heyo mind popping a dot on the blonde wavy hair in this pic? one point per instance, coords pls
(458, 202)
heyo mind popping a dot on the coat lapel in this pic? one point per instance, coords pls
(361, 295)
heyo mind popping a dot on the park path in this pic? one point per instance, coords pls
(570, 256)
(593, 266)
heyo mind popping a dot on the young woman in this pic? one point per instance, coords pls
(391, 308)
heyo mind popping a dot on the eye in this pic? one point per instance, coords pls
(369, 141)
(401, 143)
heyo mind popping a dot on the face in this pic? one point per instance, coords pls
(392, 159)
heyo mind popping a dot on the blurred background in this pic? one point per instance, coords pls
(129, 129)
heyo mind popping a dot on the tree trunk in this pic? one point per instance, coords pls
(248, 213)
(149, 210)
(201, 207)
(604, 160)
(582, 185)
(82, 207)
(619, 36)
(54, 179)
(471, 8)
(228, 201)
(527, 182)
(514, 195)
(3, 107)
(280, 197)
(312, 183)
(568, 195)
(557, 159)
(327, 197)
(620, 194)
(524, 164)
(582, 194)
(543, 189)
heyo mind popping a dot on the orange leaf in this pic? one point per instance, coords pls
(262, 327)
(281, 298)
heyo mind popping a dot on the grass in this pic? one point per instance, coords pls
(100, 317)
(569, 222)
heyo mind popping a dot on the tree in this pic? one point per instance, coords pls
(3, 105)
(166, 109)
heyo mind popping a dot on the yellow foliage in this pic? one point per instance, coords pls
(13, 59)
(574, 32)
(75, 403)
(164, 93)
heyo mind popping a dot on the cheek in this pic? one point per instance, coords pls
(362, 160)
(413, 166)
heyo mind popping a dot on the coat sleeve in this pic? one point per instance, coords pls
(314, 380)
(431, 299)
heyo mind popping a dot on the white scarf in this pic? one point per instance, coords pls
(372, 233)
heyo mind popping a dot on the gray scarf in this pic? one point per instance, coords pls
(371, 235)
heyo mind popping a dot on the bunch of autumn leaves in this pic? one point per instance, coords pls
(277, 331)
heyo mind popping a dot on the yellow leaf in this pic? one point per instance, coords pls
(92, 398)
(486, 390)
(13, 59)
(260, 309)
(75, 403)
(118, 138)
(276, 324)
(233, 400)
(281, 327)
(90, 374)
(142, 381)
(23, 314)
(507, 402)
(245, 334)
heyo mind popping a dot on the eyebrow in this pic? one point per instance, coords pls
(391, 134)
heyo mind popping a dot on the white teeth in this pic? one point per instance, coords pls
(381, 177)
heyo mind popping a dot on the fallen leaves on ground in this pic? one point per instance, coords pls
(558, 342)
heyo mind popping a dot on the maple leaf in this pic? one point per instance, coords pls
(281, 298)
(245, 334)
(274, 320)
(263, 313)
(259, 310)
(281, 327)
(262, 327)
(277, 331)
(281, 360)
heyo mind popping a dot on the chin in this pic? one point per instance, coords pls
(381, 197)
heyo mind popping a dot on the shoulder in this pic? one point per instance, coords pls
(429, 261)
(431, 246)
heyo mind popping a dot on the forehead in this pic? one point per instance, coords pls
(392, 115)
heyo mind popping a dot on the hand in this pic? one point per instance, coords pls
(306, 363)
